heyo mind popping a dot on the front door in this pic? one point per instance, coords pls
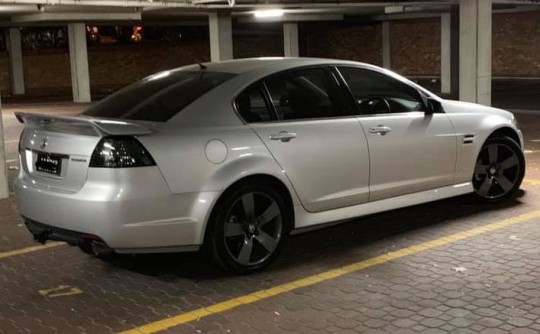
(410, 150)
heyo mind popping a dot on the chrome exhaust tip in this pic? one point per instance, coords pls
(101, 249)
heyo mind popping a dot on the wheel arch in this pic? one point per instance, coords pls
(505, 131)
(273, 181)
(500, 132)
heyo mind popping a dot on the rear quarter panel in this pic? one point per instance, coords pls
(182, 156)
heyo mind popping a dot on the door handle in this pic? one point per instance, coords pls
(381, 130)
(284, 136)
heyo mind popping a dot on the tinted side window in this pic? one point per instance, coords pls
(377, 93)
(252, 106)
(159, 96)
(303, 94)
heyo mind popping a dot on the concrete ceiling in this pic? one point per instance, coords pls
(29, 12)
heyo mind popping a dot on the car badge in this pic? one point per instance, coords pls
(44, 143)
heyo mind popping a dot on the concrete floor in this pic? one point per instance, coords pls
(475, 270)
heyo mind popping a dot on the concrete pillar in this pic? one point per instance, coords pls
(16, 72)
(3, 172)
(386, 44)
(475, 51)
(221, 45)
(454, 52)
(290, 40)
(446, 56)
(483, 92)
(78, 56)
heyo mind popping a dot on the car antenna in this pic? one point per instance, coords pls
(177, 47)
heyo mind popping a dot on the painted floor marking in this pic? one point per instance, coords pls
(55, 244)
(29, 249)
(230, 304)
(60, 291)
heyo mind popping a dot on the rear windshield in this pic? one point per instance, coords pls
(158, 97)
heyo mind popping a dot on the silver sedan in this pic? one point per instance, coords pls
(231, 157)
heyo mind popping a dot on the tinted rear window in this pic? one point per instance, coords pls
(158, 97)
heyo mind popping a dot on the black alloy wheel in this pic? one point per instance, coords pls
(248, 225)
(499, 169)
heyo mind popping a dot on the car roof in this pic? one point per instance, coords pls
(240, 66)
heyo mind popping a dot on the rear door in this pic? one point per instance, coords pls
(319, 144)
(410, 150)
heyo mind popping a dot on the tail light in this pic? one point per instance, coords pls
(120, 152)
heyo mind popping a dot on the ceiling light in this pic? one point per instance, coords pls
(268, 13)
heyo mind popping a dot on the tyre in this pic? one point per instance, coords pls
(499, 170)
(247, 227)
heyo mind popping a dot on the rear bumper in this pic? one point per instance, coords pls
(131, 210)
(42, 233)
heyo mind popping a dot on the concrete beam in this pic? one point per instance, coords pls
(15, 61)
(475, 51)
(76, 17)
(446, 56)
(217, 4)
(405, 16)
(78, 56)
(221, 45)
(290, 39)
(223, 5)
(4, 193)
(293, 18)
(394, 9)
(386, 45)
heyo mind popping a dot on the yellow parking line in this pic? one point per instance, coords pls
(532, 181)
(183, 318)
(29, 249)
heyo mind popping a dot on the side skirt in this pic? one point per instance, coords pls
(307, 221)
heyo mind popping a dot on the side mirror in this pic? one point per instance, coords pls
(434, 106)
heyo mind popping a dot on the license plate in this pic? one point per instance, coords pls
(49, 163)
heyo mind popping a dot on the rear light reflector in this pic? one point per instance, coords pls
(120, 152)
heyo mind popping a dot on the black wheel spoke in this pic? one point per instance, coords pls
(493, 153)
(506, 184)
(510, 162)
(233, 229)
(485, 187)
(266, 241)
(248, 202)
(245, 252)
(480, 169)
(269, 214)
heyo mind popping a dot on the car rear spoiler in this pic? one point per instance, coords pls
(81, 124)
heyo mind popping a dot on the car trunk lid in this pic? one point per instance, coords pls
(55, 150)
